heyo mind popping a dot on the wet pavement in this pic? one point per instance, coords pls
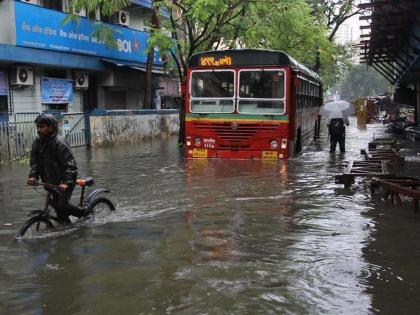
(216, 237)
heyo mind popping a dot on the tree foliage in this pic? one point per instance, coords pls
(361, 81)
(107, 7)
(333, 13)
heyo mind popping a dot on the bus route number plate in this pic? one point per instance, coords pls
(269, 155)
(199, 153)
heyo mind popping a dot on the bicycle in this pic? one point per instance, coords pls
(41, 220)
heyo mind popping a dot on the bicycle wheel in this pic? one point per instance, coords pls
(35, 226)
(101, 207)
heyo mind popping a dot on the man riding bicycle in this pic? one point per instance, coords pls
(52, 160)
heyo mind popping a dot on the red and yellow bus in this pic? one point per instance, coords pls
(249, 104)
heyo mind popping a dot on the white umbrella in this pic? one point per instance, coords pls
(337, 109)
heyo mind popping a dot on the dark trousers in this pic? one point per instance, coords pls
(341, 141)
(63, 207)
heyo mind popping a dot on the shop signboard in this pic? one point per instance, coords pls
(41, 28)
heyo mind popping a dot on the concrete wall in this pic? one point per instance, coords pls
(124, 129)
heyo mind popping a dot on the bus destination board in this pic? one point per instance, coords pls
(209, 61)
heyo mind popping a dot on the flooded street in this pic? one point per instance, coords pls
(215, 237)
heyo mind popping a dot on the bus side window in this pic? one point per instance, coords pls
(304, 96)
(280, 78)
(299, 102)
(308, 94)
(312, 94)
(299, 98)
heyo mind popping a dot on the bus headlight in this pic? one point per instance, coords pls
(188, 141)
(283, 143)
(197, 141)
(273, 144)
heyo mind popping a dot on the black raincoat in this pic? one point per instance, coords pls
(52, 161)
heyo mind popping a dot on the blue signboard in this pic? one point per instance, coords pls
(42, 28)
(4, 82)
(56, 91)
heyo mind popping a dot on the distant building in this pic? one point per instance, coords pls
(345, 34)
(349, 34)
(48, 65)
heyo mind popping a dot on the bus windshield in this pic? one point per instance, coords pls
(261, 92)
(212, 91)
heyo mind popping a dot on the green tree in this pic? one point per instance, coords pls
(361, 81)
(332, 13)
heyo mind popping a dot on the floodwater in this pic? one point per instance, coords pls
(215, 237)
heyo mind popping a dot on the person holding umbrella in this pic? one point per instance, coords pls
(337, 112)
(337, 132)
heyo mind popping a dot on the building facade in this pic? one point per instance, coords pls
(46, 64)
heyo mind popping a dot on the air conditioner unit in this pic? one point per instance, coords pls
(22, 75)
(36, 2)
(81, 80)
(122, 18)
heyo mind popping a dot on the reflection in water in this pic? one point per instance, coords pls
(214, 237)
(392, 277)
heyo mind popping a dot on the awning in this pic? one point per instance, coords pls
(135, 66)
(154, 70)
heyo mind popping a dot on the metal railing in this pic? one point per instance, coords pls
(75, 129)
(4, 141)
(18, 133)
